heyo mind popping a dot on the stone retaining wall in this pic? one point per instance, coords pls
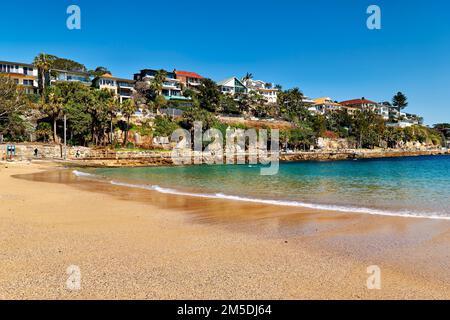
(105, 157)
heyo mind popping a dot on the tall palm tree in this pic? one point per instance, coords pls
(248, 76)
(113, 106)
(53, 107)
(128, 108)
(278, 87)
(43, 62)
(158, 81)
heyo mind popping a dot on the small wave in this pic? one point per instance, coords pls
(82, 174)
(287, 203)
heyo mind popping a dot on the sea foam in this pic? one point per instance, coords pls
(284, 203)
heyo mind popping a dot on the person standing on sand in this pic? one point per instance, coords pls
(36, 152)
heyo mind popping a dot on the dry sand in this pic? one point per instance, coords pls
(136, 244)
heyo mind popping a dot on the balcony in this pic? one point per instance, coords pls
(125, 93)
(125, 85)
(171, 85)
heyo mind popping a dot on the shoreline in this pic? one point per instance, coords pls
(150, 245)
(164, 159)
(280, 203)
(112, 158)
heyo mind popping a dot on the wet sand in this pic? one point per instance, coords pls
(139, 244)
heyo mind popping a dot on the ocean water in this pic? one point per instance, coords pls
(412, 186)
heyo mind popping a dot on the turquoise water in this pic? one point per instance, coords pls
(417, 186)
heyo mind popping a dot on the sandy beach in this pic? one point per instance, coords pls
(137, 244)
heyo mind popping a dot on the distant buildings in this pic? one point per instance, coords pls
(265, 89)
(364, 104)
(27, 78)
(171, 88)
(232, 86)
(189, 79)
(25, 75)
(122, 88)
(69, 76)
(324, 105)
(361, 104)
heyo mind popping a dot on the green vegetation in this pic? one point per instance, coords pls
(400, 101)
(95, 117)
(15, 107)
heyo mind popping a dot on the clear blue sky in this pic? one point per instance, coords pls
(323, 47)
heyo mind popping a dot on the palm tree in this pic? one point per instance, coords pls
(53, 107)
(278, 87)
(128, 108)
(248, 76)
(43, 62)
(400, 101)
(158, 81)
(113, 106)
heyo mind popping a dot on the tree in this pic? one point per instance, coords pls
(196, 114)
(67, 64)
(441, 126)
(278, 87)
(128, 108)
(291, 104)
(77, 99)
(44, 131)
(143, 96)
(228, 105)
(392, 136)
(157, 82)
(14, 106)
(301, 136)
(253, 103)
(164, 126)
(43, 62)
(248, 76)
(368, 128)
(209, 95)
(99, 71)
(400, 101)
(339, 121)
(52, 106)
(96, 106)
(113, 107)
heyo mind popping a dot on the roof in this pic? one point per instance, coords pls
(234, 79)
(326, 100)
(223, 82)
(17, 63)
(109, 76)
(189, 74)
(70, 71)
(357, 101)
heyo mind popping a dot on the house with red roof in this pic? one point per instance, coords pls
(364, 104)
(189, 79)
(361, 104)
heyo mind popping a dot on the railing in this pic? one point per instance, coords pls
(125, 85)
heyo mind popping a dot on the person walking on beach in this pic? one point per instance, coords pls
(77, 155)
(36, 152)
